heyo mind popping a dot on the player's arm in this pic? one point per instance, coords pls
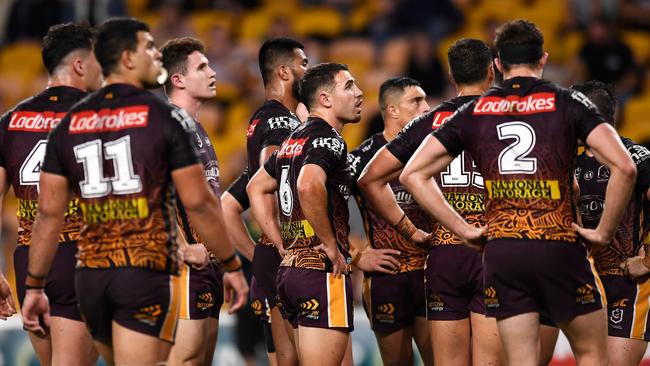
(7, 306)
(430, 159)
(261, 190)
(605, 144)
(237, 230)
(312, 193)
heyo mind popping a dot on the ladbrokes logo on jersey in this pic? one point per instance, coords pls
(440, 118)
(251, 128)
(34, 121)
(109, 119)
(292, 147)
(513, 104)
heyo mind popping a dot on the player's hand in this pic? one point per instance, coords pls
(36, 304)
(339, 264)
(283, 252)
(422, 239)
(475, 237)
(7, 306)
(593, 238)
(634, 267)
(196, 255)
(378, 260)
(235, 290)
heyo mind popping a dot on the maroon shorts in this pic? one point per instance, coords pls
(392, 301)
(627, 307)
(59, 287)
(201, 292)
(555, 278)
(454, 282)
(266, 261)
(316, 299)
(259, 303)
(139, 299)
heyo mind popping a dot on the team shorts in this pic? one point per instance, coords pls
(266, 261)
(139, 299)
(392, 301)
(312, 298)
(59, 287)
(555, 278)
(259, 303)
(201, 292)
(454, 282)
(627, 307)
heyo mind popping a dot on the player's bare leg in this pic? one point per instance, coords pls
(520, 338)
(42, 348)
(396, 347)
(347, 359)
(285, 352)
(547, 340)
(451, 341)
(296, 342)
(212, 335)
(133, 348)
(72, 345)
(587, 335)
(106, 351)
(422, 337)
(319, 346)
(190, 347)
(625, 351)
(486, 344)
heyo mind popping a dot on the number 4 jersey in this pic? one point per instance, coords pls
(522, 136)
(23, 138)
(117, 149)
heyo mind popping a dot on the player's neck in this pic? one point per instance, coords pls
(65, 79)
(391, 129)
(123, 79)
(522, 71)
(190, 104)
(281, 93)
(474, 89)
(327, 117)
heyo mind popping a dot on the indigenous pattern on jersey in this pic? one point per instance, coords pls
(238, 189)
(203, 146)
(461, 183)
(635, 224)
(269, 126)
(522, 136)
(314, 142)
(23, 139)
(117, 149)
(381, 234)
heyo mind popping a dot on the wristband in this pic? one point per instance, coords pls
(405, 227)
(35, 281)
(229, 259)
(29, 287)
(232, 264)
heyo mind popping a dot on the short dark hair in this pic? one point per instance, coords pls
(174, 56)
(602, 96)
(115, 36)
(469, 60)
(317, 77)
(273, 52)
(63, 39)
(523, 37)
(392, 86)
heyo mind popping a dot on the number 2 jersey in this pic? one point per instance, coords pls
(23, 139)
(522, 136)
(313, 142)
(117, 148)
(634, 227)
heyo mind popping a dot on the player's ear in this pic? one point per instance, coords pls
(284, 72)
(325, 99)
(392, 110)
(177, 81)
(78, 66)
(497, 63)
(542, 61)
(126, 59)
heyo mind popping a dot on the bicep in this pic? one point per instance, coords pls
(262, 182)
(430, 158)
(605, 144)
(266, 153)
(191, 186)
(384, 167)
(311, 177)
(230, 205)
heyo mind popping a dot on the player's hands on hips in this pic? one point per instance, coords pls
(378, 260)
(593, 238)
(7, 306)
(634, 267)
(339, 264)
(422, 239)
(235, 290)
(196, 255)
(475, 237)
(36, 304)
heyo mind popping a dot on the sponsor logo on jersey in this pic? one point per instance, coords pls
(282, 122)
(331, 143)
(466, 202)
(514, 104)
(440, 118)
(34, 121)
(114, 210)
(523, 189)
(106, 120)
(638, 153)
(251, 128)
(353, 163)
(291, 148)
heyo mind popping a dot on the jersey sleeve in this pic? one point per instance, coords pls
(408, 140)
(584, 114)
(641, 157)
(269, 166)
(449, 134)
(326, 152)
(238, 189)
(53, 160)
(178, 127)
(277, 129)
(356, 163)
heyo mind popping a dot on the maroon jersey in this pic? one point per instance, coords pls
(380, 233)
(23, 138)
(269, 126)
(238, 190)
(117, 149)
(461, 183)
(314, 142)
(203, 146)
(634, 227)
(522, 136)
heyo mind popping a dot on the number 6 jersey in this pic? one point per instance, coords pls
(117, 148)
(522, 136)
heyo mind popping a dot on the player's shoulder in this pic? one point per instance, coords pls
(370, 145)
(639, 153)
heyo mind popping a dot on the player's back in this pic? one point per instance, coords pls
(23, 140)
(522, 136)
(117, 149)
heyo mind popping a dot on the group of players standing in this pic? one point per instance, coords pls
(493, 169)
